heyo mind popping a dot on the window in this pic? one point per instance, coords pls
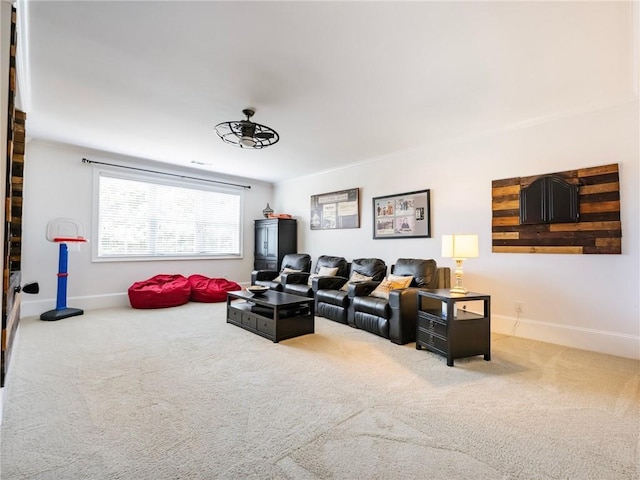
(148, 217)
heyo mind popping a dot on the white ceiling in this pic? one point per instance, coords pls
(341, 82)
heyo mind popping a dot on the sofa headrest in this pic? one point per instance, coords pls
(370, 267)
(332, 262)
(297, 261)
(424, 272)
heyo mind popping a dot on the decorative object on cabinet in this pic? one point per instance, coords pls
(598, 229)
(459, 247)
(406, 215)
(453, 331)
(267, 211)
(274, 238)
(247, 134)
(335, 210)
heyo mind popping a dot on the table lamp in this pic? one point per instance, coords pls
(459, 247)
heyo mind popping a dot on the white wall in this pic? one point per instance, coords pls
(58, 184)
(585, 301)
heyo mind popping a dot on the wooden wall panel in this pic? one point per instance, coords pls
(599, 230)
(12, 241)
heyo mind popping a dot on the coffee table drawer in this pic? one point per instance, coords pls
(235, 315)
(266, 325)
(248, 320)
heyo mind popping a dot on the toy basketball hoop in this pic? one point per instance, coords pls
(64, 231)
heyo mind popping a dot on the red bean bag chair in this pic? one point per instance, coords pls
(209, 290)
(161, 291)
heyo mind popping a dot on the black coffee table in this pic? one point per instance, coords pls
(273, 315)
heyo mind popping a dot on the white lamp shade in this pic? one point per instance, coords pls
(460, 246)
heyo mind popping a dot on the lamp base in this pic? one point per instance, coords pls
(459, 290)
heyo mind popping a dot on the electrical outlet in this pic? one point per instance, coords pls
(519, 306)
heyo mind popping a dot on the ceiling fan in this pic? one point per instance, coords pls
(247, 134)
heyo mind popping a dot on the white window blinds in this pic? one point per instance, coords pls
(146, 217)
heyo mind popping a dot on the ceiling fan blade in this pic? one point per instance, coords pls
(264, 135)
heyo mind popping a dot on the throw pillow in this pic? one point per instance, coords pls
(324, 272)
(285, 270)
(328, 271)
(355, 278)
(392, 282)
(403, 280)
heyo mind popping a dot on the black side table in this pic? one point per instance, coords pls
(446, 327)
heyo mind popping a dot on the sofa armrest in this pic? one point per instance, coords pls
(300, 278)
(263, 275)
(362, 289)
(328, 283)
(404, 314)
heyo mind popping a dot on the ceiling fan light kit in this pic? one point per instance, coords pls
(247, 142)
(247, 134)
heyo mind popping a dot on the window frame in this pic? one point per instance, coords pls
(148, 177)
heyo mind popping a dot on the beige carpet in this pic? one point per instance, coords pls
(181, 394)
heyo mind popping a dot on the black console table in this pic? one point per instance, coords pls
(446, 327)
(273, 315)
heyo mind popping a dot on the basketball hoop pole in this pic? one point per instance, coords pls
(63, 273)
(62, 311)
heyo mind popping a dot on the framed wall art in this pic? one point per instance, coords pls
(335, 210)
(595, 226)
(406, 215)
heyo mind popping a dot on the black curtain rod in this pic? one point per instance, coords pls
(86, 160)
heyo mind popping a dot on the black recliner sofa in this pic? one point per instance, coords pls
(291, 261)
(333, 303)
(395, 318)
(298, 283)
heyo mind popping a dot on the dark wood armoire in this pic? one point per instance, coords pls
(274, 238)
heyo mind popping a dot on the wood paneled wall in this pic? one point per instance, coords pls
(12, 241)
(598, 231)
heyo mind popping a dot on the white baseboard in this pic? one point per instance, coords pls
(610, 343)
(30, 308)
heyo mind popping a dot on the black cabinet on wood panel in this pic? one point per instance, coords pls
(549, 200)
(275, 237)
